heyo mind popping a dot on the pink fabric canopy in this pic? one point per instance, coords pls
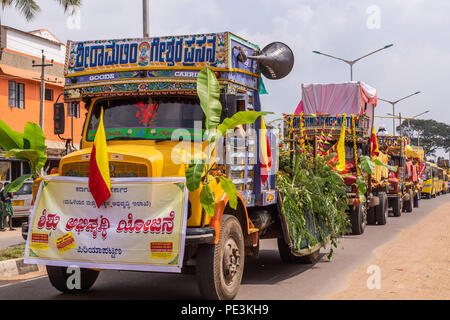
(299, 108)
(349, 97)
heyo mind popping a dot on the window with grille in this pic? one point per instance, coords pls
(16, 95)
(49, 94)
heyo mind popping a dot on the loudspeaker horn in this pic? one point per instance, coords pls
(276, 60)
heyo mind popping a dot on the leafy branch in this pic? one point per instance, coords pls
(367, 167)
(200, 172)
(28, 146)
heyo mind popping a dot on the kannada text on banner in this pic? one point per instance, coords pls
(141, 227)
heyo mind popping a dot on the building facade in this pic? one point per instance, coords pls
(20, 92)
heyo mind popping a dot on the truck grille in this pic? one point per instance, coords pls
(116, 169)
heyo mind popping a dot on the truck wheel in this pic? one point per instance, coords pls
(220, 267)
(59, 278)
(410, 202)
(397, 206)
(358, 219)
(416, 200)
(287, 256)
(381, 211)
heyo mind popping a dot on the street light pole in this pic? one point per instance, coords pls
(393, 107)
(409, 124)
(352, 62)
(414, 118)
(145, 18)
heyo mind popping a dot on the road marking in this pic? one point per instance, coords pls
(26, 280)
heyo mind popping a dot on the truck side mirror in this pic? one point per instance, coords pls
(58, 118)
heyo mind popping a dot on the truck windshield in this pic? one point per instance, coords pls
(151, 118)
(428, 172)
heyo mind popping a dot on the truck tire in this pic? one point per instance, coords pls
(59, 277)
(381, 211)
(358, 219)
(287, 256)
(410, 203)
(220, 267)
(371, 215)
(416, 200)
(397, 206)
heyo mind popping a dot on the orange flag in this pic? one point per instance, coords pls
(99, 179)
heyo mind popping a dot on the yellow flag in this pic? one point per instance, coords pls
(341, 147)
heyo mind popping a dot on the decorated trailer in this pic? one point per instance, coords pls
(143, 97)
(342, 114)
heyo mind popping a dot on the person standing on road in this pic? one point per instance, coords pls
(7, 207)
(2, 227)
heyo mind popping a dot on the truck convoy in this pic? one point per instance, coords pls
(143, 94)
(143, 91)
(331, 110)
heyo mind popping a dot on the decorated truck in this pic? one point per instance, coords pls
(415, 166)
(142, 96)
(333, 114)
(400, 190)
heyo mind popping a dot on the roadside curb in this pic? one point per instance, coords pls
(17, 267)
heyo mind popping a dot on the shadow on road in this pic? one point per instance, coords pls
(111, 285)
(269, 269)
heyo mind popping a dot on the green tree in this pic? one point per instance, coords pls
(29, 8)
(430, 134)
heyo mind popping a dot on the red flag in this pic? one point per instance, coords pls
(374, 140)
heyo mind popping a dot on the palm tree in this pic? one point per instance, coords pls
(30, 8)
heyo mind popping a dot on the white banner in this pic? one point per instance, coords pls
(141, 226)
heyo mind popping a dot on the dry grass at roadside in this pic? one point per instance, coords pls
(13, 252)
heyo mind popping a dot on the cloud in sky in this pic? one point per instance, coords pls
(418, 29)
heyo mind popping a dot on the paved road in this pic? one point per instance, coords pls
(11, 238)
(266, 278)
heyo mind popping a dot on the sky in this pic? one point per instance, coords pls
(418, 30)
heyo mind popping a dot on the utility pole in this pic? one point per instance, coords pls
(145, 18)
(43, 65)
